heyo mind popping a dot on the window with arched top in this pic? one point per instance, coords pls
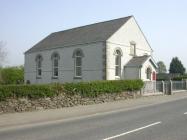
(39, 66)
(78, 55)
(148, 73)
(118, 55)
(55, 64)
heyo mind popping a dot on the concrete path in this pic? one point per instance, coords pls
(15, 120)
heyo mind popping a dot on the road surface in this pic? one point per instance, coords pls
(166, 121)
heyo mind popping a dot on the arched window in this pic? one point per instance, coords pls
(55, 64)
(148, 73)
(39, 66)
(78, 54)
(118, 55)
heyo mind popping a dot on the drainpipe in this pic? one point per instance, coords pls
(106, 61)
(140, 76)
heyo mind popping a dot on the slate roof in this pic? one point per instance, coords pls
(137, 61)
(81, 35)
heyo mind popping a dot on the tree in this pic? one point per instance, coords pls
(1, 80)
(161, 67)
(176, 67)
(12, 75)
(3, 53)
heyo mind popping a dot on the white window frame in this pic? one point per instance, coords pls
(78, 67)
(118, 55)
(148, 73)
(55, 57)
(78, 54)
(38, 68)
(133, 49)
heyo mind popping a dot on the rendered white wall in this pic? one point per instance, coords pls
(111, 60)
(121, 39)
(144, 68)
(130, 31)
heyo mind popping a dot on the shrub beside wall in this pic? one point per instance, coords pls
(19, 98)
(12, 75)
(179, 78)
(93, 89)
(85, 89)
(27, 91)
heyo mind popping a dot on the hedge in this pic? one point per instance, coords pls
(93, 89)
(12, 75)
(29, 91)
(85, 89)
(179, 78)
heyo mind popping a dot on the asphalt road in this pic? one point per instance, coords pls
(166, 121)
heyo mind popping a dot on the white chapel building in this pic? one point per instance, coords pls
(110, 50)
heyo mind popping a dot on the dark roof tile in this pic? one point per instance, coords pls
(137, 61)
(86, 34)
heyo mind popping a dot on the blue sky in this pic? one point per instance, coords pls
(25, 22)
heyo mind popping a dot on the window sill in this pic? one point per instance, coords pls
(117, 77)
(54, 77)
(38, 77)
(77, 77)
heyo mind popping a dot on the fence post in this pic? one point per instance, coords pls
(141, 91)
(163, 88)
(170, 87)
(154, 82)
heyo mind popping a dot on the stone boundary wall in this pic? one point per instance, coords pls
(60, 101)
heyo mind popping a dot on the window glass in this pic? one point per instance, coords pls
(55, 65)
(78, 63)
(117, 63)
(148, 73)
(78, 71)
(39, 66)
(133, 49)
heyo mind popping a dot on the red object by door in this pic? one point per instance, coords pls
(154, 76)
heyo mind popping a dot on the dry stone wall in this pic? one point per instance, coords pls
(60, 101)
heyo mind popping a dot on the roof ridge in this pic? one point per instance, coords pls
(93, 24)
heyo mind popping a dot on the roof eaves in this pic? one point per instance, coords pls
(139, 66)
(38, 43)
(27, 52)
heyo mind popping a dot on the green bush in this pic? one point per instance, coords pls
(28, 91)
(85, 89)
(12, 75)
(93, 89)
(179, 78)
(163, 76)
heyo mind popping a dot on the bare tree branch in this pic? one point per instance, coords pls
(3, 53)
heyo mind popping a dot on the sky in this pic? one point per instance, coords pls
(23, 23)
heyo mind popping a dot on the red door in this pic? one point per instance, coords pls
(154, 75)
